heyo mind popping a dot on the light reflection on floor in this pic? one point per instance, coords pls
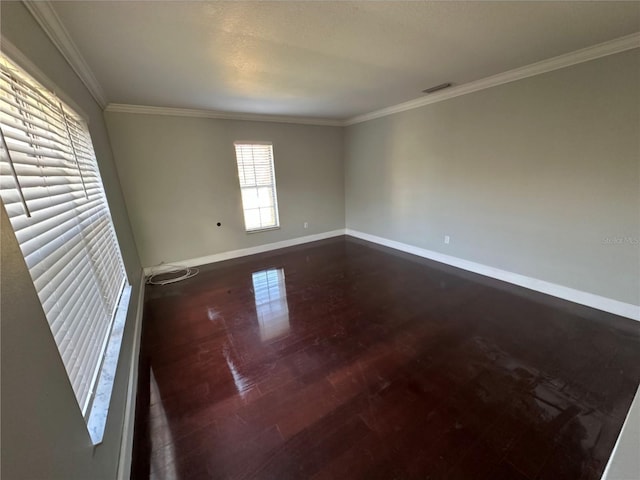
(243, 385)
(161, 467)
(272, 309)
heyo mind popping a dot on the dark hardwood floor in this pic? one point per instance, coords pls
(341, 359)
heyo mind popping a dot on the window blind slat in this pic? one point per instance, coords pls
(53, 245)
(56, 214)
(64, 323)
(38, 152)
(59, 275)
(27, 181)
(12, 117)
(14, 96)
(45, 268)
(34, 95)
(60, 190)
(44, 175)
(74, 198)
(33, 130)
(55, 284)
(38, 236)
(36, 140)
(81, 320)
(90, 336)
(39, 200)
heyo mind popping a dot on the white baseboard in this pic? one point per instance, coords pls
(577, 296)
(218, 257)
(126, 443)
(616, 307)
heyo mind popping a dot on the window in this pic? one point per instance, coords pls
(51, 188)
(258, 185)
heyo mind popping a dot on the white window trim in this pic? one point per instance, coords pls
(250, 231)
(97, 414)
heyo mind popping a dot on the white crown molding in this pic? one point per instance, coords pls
(189, 112)
(560, 291)
(611, 47)
(46, 16)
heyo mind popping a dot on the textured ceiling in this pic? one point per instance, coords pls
(321, 59)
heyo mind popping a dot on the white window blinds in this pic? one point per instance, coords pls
(258, 185)
(52, 191)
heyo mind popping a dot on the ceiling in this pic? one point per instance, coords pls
(321, 59)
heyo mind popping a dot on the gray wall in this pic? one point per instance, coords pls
(43, 433)
(532, 177)
(179, 178)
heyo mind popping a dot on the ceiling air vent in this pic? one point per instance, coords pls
(442, 86)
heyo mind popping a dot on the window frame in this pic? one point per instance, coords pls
(22, 74)
(272, 186)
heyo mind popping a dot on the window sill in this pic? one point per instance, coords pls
(98, 415)
(260, 230)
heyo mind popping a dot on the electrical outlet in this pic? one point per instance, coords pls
(447, 239)
(306, 224)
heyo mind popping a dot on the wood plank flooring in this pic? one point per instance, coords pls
(345, 360)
